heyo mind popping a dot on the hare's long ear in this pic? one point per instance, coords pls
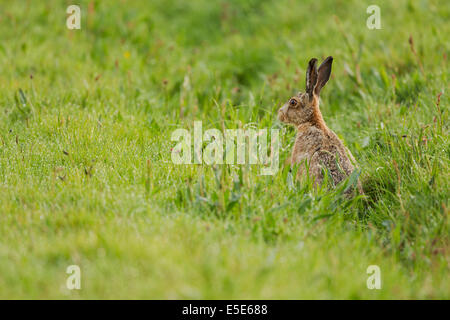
(323, 74)
(311, 76)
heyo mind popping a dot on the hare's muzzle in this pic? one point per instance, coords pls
(282, 113)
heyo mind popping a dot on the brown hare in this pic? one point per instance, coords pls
(315, 142)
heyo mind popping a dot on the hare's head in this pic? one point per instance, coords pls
(304, 107)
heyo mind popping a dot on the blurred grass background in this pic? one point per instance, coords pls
(85, 170)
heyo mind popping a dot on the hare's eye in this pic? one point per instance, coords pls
(292, 102)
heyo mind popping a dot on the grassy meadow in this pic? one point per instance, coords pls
(86, 176)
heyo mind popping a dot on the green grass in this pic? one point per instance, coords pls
(86, 175)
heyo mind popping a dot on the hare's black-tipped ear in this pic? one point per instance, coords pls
(323, 74)
(311, 76)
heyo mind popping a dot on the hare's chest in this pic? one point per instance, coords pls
(306, 144)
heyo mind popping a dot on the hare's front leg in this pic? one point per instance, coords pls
(303, 163)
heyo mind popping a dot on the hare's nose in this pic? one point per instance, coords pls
(282, 110)
(282, 113)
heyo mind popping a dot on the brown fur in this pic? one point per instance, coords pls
(315, 142)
